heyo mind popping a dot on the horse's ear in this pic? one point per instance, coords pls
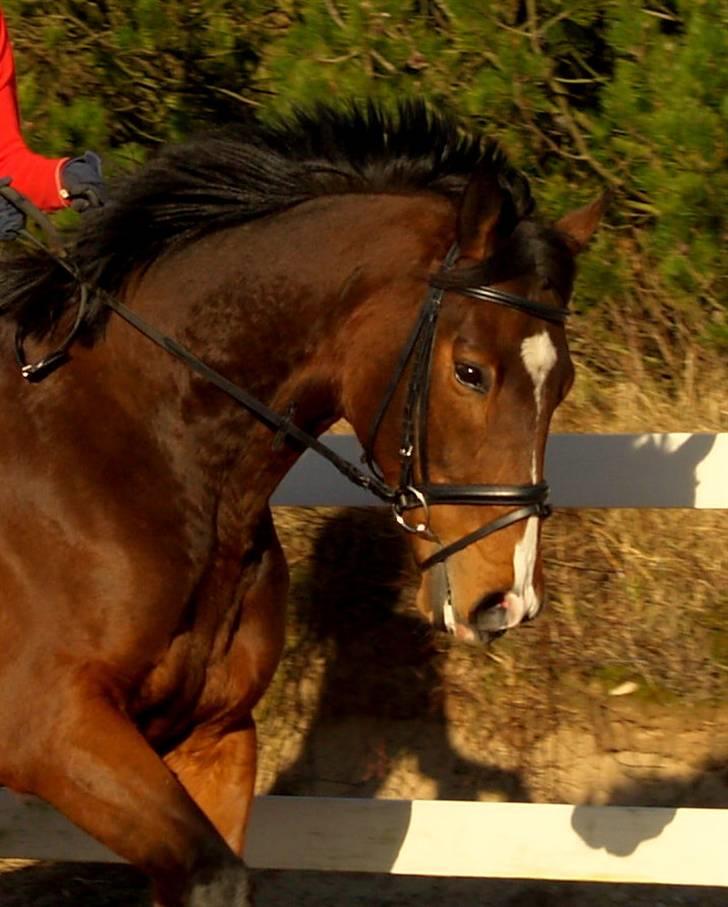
(485, 204)
(578, 227)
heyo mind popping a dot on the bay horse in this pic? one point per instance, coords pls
(380, 267)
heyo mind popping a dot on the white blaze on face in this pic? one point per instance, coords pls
(539, 357)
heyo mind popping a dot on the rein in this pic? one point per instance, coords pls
(410, 494)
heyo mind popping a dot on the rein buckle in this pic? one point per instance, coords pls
(409, 498)
(35, 372)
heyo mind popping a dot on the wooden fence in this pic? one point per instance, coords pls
(482, 840)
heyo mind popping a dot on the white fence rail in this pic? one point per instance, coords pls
(436, 838)
(493, 840)
(646, 470)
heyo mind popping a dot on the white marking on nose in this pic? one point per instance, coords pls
(524, 565)
(539, 356)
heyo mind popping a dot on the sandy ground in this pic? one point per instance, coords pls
(63, 885)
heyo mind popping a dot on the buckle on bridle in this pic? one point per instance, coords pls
(409, 498)
(35, 372)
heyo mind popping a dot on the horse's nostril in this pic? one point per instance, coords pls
(494, 600)
(491, 614)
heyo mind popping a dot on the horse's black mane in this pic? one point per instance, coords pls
(241, 173)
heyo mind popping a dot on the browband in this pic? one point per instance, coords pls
(501, 297)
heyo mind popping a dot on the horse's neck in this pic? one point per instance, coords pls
(277, 306)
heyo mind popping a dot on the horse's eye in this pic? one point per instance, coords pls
(471, 376)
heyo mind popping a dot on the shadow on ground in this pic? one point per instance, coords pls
(382, 698)
(95, 885)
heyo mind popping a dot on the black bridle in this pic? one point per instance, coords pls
(528, 500)
(410, 493)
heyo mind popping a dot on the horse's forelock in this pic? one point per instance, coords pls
(533, 249)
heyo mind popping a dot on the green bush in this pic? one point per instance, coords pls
(622, 94)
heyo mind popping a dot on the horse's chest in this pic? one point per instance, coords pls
(224, 656)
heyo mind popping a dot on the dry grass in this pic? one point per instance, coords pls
(642, 593)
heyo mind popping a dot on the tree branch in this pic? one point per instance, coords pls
(335, 14)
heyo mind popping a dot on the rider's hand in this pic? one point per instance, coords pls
(12, 221)
(82, 183)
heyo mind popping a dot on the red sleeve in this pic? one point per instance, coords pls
(33, 175)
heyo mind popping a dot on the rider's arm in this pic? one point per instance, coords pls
(34, 176)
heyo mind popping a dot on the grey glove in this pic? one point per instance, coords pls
(12, 221)
(82, 183)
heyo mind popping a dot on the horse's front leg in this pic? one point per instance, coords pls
(94, 765)
(216, 763)
(217, 769)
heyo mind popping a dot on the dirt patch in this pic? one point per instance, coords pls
(95, 885)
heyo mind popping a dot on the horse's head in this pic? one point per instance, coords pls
(463, 410)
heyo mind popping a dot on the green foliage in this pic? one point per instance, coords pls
(623, 94)
(620, 94)
(132, 73)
